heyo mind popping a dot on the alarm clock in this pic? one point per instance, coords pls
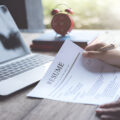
(62, 22)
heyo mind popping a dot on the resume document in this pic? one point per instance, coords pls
(73, 78)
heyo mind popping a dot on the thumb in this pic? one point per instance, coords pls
(93, 54)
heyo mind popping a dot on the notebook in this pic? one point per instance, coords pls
(50, 41)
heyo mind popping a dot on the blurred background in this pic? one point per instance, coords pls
(88, 14)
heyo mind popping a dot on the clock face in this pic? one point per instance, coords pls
(62, 23)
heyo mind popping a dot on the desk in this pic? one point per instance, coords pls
(18, 107)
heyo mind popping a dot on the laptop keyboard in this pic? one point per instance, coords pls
(22, 66)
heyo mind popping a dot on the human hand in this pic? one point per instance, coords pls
(110, 111)
(111, 56)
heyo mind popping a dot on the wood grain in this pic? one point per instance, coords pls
(18, 107)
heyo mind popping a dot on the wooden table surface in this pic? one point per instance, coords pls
(18, 107)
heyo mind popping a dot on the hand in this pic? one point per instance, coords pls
(111, 57)
(109, 111)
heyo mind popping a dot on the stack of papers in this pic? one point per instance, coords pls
(73, 78)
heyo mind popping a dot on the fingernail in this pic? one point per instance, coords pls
(98, 110)
(85, 54)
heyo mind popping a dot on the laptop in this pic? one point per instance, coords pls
(18, 66)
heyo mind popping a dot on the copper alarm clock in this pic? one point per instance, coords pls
(62, 22)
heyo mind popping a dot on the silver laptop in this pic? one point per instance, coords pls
(18, 66)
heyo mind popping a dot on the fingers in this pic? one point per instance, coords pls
(93, 54)
(91, 51)
(108, 117)
(94, 47)
(110, 111)
(110, 105)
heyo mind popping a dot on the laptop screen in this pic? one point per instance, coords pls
(11, 43)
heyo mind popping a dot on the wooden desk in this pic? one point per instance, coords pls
(18, 107)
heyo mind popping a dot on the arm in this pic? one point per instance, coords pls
(110, 111)
(111, 57)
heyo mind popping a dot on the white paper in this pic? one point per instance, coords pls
(73, 78)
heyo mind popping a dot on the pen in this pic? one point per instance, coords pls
(107, 47)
